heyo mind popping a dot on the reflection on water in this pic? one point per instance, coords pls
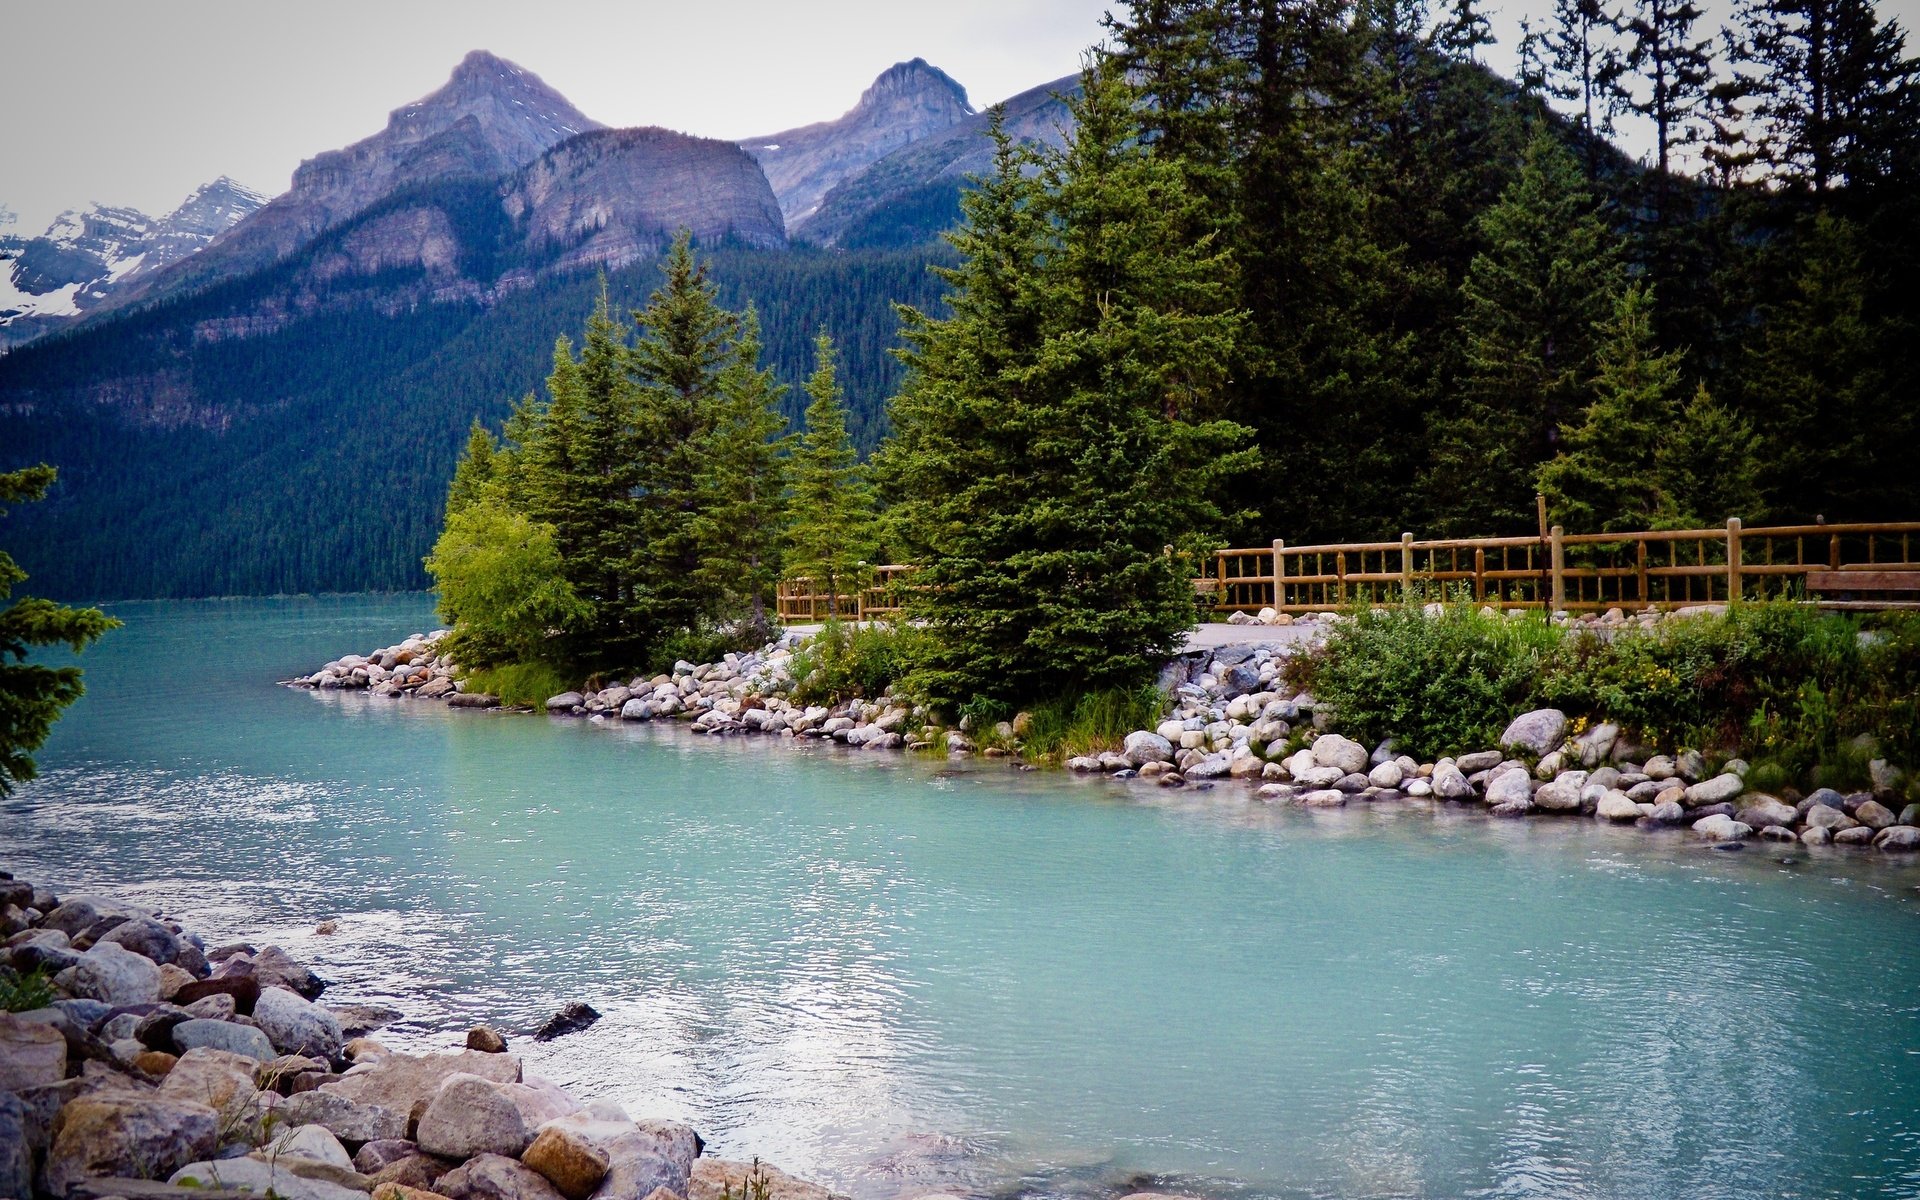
(901, 975)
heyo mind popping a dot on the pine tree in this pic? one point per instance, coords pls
(739, 525)
(1053, 438)
(1582, 68)
(1530, 305)
(1819, 377)
(1708, 467)
(830, 509)
(687, 340)
(1606, 478)
(1828, 89)
(1663, 76)
(32, 696)
(475, 470)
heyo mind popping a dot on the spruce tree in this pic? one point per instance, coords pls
(739, 525)
(686, 342)
(830, 508)
(1582, 67)
(1529, 307)
(475, 470)
(32, 696)
(1053, 437)
(1708, 467)
(1606, 478)
(1664, 74)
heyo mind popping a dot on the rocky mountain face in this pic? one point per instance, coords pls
(912, 193)
(90, 255)
(909, 102)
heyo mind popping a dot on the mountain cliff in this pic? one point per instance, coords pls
(913, 193)
(490, 118)
(908, 102)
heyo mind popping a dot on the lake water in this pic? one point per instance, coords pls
(895, 975)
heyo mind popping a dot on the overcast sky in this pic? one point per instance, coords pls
(138, 103)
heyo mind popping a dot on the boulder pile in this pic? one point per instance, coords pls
(143, 1064)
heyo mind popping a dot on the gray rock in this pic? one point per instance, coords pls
(115, 1133)
(1511, 786)
(113, 974)
(1762, 811)
(1323, 798)
(16, 1155)
(1777, 833)
(1668, 812)
(637, 709)
(1828, 817)
(1714, 791)
(309, 1141)
(1332, 750)
(1479, 761)
(223, 1035)
(348, 1120)
(281, 1178)
(470, 1115)
(1659, 767)
(274, 967)
(1886, 778)
(1386, 774)
(565, 702)
(145, 937)
(495, 1177)
(1561, 795)
(1722, 829)
(1691, 765)
(297, 1026)
(1449, 783)
(1142, 747)
(1910, 815)
(1615, 805)
(1595, 745)
(1874, 815)
(401, 1081)
(1898, 838)
(32, 1052)
(1859, 835)
(1538, 733)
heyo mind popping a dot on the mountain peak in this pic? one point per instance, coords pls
(914, 77)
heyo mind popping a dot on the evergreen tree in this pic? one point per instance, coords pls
(1664, 74)
(475, 470)
(1828, 89)
(830, 510)
(1819, 379)
(1606, 478)
(1052, 435)
(1582, 68)
(686, 343)
(33, 696)
(1708, 467)
(1530, 305)
(740, 522)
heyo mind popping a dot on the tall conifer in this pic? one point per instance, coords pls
(830, 508)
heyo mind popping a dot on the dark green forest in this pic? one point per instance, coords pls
(327, 469)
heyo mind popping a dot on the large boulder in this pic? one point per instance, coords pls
(240, 990)
(349, 1120)
(1562, 794)
(1511, 786)
(641, 1156)
(274, 967)
(112, 974)
(121, 1134)
(218, 1079)
(1720, 788)
(1538, 733)
(272, 1177)
(403, 1081)
(1616, 805)
(1762, 811)
(295, 1025)
(222, 1035)
(312, 1142)
(570, 1162)
(1596, 744)
(1332, 750)
(1901, 838)
(32, 1053)
(1722, 828)
(1142, 747)
(1874, 815)
(16, 1152)
(146, 937)
(565, 702)
(717, 1178)
(470, 1115)
(1449, 783)
(495, 1177)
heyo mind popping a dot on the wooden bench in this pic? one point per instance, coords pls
(1897, 587)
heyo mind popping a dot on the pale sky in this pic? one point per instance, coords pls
(139, 103)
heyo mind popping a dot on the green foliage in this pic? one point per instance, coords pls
(526, 683)
(1708, 465)
(1092, 721)
(32, 696)
(844, 661)
(24, 991)
(502, 584)
(830, 528)
(1435, 685)
(1056, 432)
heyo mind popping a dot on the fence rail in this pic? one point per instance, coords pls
(1586, 572)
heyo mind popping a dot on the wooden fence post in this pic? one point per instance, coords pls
(1279, 574)
(1733, 560)
(1406, 567)
(1340, 576)
(1558, 550)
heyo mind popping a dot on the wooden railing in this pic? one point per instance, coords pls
(799, 601)
(1586, 572)
(1574, 572)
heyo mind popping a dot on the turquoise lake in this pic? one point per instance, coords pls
(896, 975)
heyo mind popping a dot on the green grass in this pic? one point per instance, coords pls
(1091, 723)
(24, 991)
(520, 683)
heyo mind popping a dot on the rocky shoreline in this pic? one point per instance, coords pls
(1232, 719)
(143, 1063)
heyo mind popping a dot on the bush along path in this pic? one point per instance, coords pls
(137, 1062)
(1447, 677)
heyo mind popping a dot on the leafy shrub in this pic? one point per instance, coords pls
(1434, 684)
(710, 643)
(500, 583)
(24, 991)
(843, 661)
(1093, 722)
(520, 683)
